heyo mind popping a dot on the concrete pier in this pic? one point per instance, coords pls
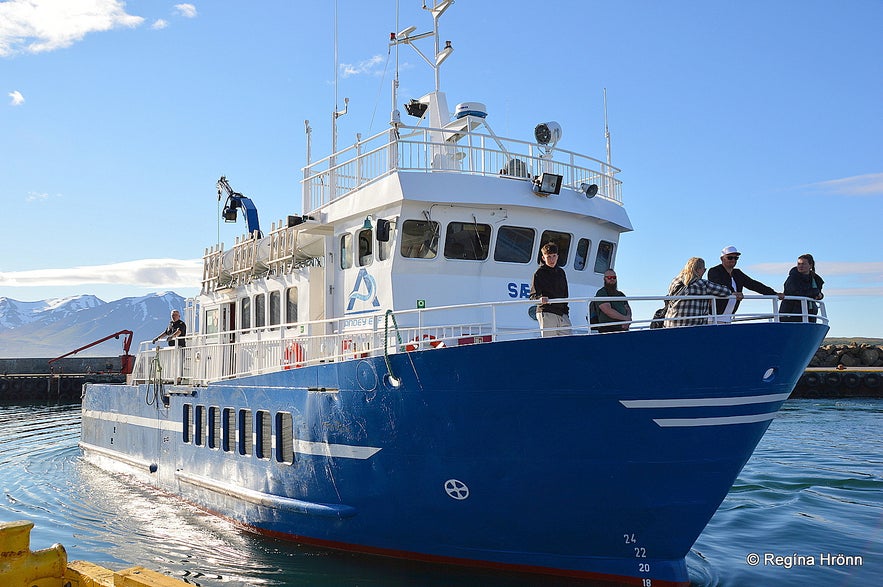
(36, 380)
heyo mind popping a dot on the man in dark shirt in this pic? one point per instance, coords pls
(727, 274)
(550, 282)
(175, 332)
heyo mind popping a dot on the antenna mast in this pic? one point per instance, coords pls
(607, 129)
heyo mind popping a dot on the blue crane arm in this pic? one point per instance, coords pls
(235, 200)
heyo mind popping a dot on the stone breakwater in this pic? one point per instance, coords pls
(848, 355)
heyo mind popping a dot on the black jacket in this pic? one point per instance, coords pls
(718, 274)
(798, 284)
(550, 282)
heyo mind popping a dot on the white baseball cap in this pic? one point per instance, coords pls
(730, 250)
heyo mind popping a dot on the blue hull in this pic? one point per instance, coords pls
(590, 456)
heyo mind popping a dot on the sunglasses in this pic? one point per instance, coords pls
(610, 277)
(732, 257)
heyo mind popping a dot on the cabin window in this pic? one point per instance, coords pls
(186, 419)
(245, 435)
(384, 247)
(199, 426)
(245, 313)
(263, 434)
(514, 244)
(346, 250)
(284, 438)
(366, 242)
(419, 239)
(467, 240)
(275, 308)
(260, 310)
(291, 305)
(214, 426)
(228, 440)
(212, 322)
(583, 248)
(604, 260)
(562, 239)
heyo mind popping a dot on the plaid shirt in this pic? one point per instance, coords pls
(681, 312)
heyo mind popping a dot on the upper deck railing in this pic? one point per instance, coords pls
(453, 149)
(225, 355)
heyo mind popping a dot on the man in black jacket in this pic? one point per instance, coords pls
(549, 282)
(727, 274)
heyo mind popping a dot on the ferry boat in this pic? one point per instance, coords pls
(369, 375)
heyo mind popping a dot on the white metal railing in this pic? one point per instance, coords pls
(418, 149)
(226, 355)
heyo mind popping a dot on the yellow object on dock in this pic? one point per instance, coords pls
(22, 567)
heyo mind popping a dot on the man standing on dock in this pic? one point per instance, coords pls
(727, 274)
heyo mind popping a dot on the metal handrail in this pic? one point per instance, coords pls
(226, 355)
(477, 154)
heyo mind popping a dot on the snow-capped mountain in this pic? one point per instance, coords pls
(50, 328)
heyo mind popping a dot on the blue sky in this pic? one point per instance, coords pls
(752, 123)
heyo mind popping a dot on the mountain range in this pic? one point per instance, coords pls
(53, 327)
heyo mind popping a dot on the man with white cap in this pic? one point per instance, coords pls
(727, 274)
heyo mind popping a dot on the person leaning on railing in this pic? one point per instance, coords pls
(549, 282)
(175, 331)
(805, 282)
(727, 274)
(689, 282)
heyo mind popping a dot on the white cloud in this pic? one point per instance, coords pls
(36, 197)
(186, 10)
(17, 98)
(167, 273)
(36, 26)
(159, 24)
(366, 67)
(870, 184)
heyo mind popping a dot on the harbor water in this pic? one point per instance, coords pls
(807, 509)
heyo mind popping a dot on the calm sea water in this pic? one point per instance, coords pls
(809, 505)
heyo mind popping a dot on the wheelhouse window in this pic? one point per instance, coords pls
(346, 250)
(604, 260)
(291, 305)
(583, 249)
(245, 313)
(468, 241)
(275, 308)
(260, 311)
(212, 321)
(366, 244)
(514, 244)
(562, 239)
(420, 239)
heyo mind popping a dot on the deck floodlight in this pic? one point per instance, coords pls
(547, 133)
(230, 214)
(416, 108)
(589, 189)
(547, 183)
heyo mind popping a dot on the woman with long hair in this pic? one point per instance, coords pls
(802, 281)
(689, 282)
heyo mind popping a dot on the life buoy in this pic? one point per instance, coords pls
(872, 380)
(811, 379)
(852, 380)
(832, 379)
(427, 340)
(293, 356)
